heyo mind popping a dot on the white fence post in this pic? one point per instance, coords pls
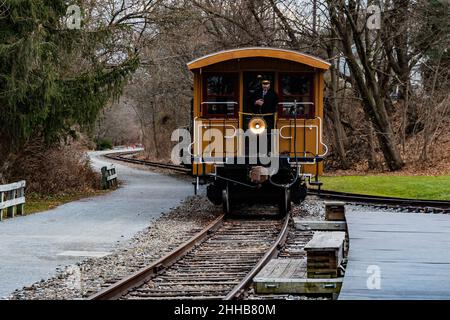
(21, 207)
(12, 198)
(2, 194)
(11, 209)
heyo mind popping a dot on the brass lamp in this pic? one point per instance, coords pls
(257, 125)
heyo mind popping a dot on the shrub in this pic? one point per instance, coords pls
(104, 144)
(52, 171)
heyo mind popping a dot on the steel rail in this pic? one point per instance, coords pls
(120, 157)
(121, 287)
(274, 250)
(351, 197)
(326, 194)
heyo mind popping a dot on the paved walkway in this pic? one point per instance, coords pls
(32, 247)
(398, 256)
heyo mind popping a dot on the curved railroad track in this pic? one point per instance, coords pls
(123, 157)
(217, 263)
(439, 206)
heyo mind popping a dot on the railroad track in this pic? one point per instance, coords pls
(123, 157)
(217, 263)
(438, 206)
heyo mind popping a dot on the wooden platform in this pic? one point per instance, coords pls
(281, 276)
(325, 253)
(411, 253)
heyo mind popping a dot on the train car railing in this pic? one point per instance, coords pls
(12, 199)
(305, 125)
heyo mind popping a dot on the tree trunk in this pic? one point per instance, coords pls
(155, 142)
(366, 82)
(372, 158)
(6, 158)
(339, 133)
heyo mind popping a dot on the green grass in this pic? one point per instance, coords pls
(35, 203)
(414, 187)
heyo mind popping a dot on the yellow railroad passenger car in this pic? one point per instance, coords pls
(248, 154)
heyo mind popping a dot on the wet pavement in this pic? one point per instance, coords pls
(32, 247)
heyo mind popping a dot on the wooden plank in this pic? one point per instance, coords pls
(334, 203)
(334, 211)
(114, 176)
(283, 268)
(11, 203)
(297, 286)
(276, 271)
(12, 186)
(319, 225)
(332, 274)
(295, 269)
(408, 250)
(323, 241)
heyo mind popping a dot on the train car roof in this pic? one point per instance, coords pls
(263, 52)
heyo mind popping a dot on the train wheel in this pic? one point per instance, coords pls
(285, 203)
(299, 194)
(226, 201)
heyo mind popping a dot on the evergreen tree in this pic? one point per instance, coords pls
(51, 77)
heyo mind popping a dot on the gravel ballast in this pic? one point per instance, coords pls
(162, 236)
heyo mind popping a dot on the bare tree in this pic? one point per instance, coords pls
(368, 66)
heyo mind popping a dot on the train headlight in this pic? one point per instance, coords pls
(257, 125)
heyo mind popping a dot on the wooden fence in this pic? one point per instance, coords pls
(12, 198)
(109, 177)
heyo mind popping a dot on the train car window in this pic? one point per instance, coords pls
(220, 95)
(296, 96)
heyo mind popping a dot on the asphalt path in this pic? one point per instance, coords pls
(32, 247)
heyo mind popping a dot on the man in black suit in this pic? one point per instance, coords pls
(264, 100)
